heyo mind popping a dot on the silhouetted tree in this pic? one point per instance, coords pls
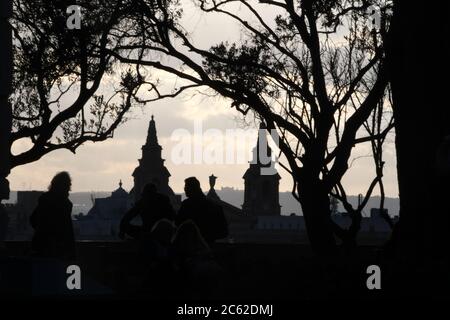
(59, 97)
(379, 123)
(422, 125)
(315, 73)
(334, 205)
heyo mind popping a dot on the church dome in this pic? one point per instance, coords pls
(120, 192)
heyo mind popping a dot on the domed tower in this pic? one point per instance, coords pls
(119, 193)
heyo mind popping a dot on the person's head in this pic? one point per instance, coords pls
(149, 190)
(61, 183)
(192, 187)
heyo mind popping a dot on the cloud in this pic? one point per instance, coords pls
(100, 166)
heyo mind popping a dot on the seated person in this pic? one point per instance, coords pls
(152, 207)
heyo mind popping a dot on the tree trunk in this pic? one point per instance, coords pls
(5, 90)
(315, 204)
(419, 62)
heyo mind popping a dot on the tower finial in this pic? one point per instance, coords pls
(152, 138)
(262, 153)
(120, 183)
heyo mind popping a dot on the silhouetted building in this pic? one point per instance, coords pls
(291, 222)
(19, 214)
(151, 169)
(378, 224)
(261, 196)
(240, 225)
(103, 220)
(231, 212)
(112, 207)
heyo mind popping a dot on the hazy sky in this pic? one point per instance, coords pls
(100, 166)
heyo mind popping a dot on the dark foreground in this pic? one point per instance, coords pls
(244, 272)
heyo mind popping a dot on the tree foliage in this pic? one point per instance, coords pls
(60, 100)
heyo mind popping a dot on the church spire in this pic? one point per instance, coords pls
(151, 167)
(261, 196)
(262, 153)
(152, 138)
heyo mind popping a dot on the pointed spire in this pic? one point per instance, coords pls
(120, 184)
(152, 138)
(265, 154)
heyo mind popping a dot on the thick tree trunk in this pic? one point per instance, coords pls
(5, 90)
(419, 63)
(316, 212)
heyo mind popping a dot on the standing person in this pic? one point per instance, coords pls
(208, 216)
(152, 207)
(52, 221)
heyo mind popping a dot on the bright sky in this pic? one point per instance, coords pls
(100, 166)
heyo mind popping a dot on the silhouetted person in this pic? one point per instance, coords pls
(163, 231)
(158, 259)
(193, 261)
(158, 242)
(207, 215)
(152, 207)
(52, 221)
(188, 241)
